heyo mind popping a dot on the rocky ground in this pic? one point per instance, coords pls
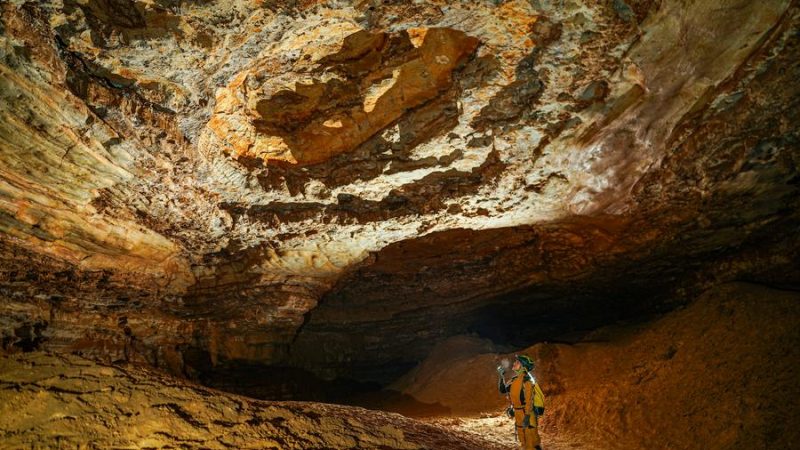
(65, 401)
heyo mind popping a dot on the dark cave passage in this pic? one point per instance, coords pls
(505, 325)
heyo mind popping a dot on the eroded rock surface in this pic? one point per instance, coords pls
(335, 103)
(57, 401)
(338, 186)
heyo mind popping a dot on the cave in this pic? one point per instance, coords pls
(284, 224)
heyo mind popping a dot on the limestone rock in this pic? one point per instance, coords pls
(337, 186)
(51, 401)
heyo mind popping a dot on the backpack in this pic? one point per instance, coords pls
(538, 396)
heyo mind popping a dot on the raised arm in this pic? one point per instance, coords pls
(501, 382)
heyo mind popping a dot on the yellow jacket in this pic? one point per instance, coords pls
(526, 395)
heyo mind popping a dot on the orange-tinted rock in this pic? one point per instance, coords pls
(207, 185)
(381, 76)
(52, 401)
(632, 375)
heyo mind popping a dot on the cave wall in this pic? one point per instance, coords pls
(338, 187)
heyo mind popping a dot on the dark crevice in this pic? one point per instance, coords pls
(409, 199)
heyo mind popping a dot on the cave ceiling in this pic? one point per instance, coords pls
(187, 183)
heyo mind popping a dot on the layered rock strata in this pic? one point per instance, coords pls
(339, 186)
(53, 401)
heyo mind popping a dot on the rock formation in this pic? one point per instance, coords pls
(335, 187)
(66, 401)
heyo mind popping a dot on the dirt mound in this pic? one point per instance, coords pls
(720, 373)
(49, 401)
(455, 375)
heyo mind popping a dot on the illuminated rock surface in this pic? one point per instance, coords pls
(66, 401)
(225, 189)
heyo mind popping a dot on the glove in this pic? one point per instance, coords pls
(526, 421)
(500, 370)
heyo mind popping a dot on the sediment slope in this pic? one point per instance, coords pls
(720, 374)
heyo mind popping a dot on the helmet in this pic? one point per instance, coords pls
(526, 362)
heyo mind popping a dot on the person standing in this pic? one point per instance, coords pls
(526, 399)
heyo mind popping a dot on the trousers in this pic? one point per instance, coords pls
(528, 437)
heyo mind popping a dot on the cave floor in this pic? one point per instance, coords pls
(66, 401)
(499, 429)
(59, 400)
